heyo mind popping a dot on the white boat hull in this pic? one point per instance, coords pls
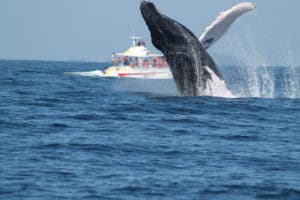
(129, 72)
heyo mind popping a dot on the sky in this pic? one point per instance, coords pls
(90, 30)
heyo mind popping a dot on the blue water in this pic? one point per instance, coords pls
(79, 137)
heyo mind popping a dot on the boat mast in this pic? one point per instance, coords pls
(134, 39)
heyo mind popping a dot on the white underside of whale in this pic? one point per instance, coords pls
(216, 87)
(220, 26)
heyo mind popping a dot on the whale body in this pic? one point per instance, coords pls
(192, 67)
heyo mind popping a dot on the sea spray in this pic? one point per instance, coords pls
(260, 79)
(267, 82)
(255, 77)
(290, 78)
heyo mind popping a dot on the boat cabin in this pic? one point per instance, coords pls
(138, 56)
(139, 62)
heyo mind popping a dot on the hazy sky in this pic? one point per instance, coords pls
(93, 29)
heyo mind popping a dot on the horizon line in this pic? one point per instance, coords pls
(100, 62)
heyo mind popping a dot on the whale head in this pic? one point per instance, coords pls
(163, 29)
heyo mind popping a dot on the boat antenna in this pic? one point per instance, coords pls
(134, 39)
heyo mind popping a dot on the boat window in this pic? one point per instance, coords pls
(140, 62)
(117, 61)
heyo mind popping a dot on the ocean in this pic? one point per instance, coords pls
(67, 133)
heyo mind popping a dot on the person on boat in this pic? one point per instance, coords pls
(126, 61)
(113, 58)
(158, 64)
(155, 62)
(145, 63)
(137, 62)
(132, 63)
(118, 61)
(150, 63)
(164, 63)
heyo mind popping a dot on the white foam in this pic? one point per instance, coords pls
(96, 73)
(217, 87)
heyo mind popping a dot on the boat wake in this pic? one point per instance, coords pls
(96, 73)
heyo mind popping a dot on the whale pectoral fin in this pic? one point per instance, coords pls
(220, 26)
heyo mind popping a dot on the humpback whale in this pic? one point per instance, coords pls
(193, 69)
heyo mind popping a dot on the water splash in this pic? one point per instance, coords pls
(290, 78)
(255, 76)
(267, 82)
(258, 78)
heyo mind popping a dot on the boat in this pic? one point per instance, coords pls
(138, 62)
